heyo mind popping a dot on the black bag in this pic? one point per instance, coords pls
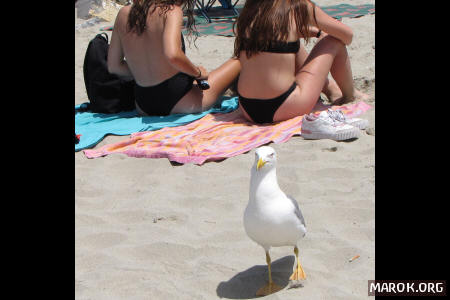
(107, 93)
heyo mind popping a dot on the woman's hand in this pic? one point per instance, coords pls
(322, 35)
(313, 30)
(332, 26)
(204, 73)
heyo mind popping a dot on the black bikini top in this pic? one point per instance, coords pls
(282, 47)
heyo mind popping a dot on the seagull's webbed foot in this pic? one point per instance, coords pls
(298, 272)
(270, 287)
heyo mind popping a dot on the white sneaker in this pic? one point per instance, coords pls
(324, 127)
(339, 116)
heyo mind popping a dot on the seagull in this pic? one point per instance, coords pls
(272, 219)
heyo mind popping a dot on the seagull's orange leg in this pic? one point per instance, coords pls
(298, 272)
(270, 287)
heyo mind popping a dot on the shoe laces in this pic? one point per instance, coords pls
(337, 115)
(329, 119)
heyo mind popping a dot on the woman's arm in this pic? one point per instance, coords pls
(313, 31)
(331, 26)
(172, 44)
(116, 63)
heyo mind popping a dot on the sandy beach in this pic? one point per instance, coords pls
(148, 229)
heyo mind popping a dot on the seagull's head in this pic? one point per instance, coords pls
(265, 158)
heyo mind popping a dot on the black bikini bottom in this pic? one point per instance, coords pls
(160, 99)
(263, 110)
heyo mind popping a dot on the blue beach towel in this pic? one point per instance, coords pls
(93, 127)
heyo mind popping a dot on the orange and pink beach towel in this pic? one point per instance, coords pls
(211, 138)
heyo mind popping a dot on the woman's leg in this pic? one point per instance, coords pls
(328, 55)
(197, 100)
(330, 88)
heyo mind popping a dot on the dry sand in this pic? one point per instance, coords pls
(146, 229)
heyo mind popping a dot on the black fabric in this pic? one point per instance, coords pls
(283, 47)
(263, 110)
(107, 93)
(159, 100)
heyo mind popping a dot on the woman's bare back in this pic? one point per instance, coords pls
(267, 75)
(152, 54)
(144, 53)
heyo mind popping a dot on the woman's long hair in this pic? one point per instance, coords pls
(263, 21)
(139, 11)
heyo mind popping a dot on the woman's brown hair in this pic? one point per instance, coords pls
(137, 18)
(263, 21)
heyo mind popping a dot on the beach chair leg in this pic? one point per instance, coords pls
(235, 11)
(203, 12)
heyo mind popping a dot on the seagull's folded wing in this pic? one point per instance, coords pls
(298, 212)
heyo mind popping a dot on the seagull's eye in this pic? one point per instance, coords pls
(271, 155)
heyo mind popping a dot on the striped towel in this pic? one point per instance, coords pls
(211, 138)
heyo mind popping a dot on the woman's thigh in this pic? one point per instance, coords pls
(314, 73)
(189, 103)
(293, 106)
(310, 80)
(197, 100)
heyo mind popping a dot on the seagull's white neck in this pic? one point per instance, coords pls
(263, 184)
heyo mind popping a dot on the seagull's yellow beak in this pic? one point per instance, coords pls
(260, 164)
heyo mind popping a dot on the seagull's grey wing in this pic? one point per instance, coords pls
(298, 212)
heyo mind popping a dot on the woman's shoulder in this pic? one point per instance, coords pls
(174, 13)
(124, 11)
(122, 15)
(175, 9)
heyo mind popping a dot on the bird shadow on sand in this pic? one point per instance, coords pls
(245, 284)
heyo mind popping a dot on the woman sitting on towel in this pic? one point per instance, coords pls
(279, 80)
(148, 35)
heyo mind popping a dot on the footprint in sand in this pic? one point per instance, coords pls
(331, 149)
(370, 131)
